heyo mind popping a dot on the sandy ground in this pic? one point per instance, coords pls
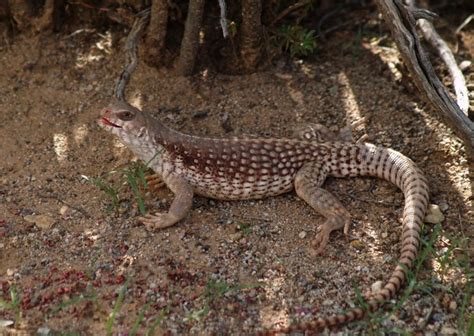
(71, 260)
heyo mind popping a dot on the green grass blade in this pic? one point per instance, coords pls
(117, 307)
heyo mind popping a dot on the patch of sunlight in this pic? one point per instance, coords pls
(202, 37)
(118, 148)
(387, 54)
(137, 101)
(445, 269)
(80, 133)
(60, 146)
(97, 51)
(269, 316)
(205, 74)
(308, 70)
(92, 235)
(348, 98)
(127, 261)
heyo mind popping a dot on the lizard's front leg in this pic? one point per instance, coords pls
(154, 181)
(179, 207)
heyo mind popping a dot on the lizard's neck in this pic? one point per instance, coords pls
(154, 142)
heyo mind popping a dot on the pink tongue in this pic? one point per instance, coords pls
(106, 121)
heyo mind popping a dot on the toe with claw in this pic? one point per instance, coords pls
(158, 220)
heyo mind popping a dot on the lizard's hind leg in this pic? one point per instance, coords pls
(308, 183)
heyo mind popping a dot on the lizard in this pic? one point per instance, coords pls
(241, 168)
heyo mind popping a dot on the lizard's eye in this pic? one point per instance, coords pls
(126, 115)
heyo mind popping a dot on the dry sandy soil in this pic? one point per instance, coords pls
(71, 263)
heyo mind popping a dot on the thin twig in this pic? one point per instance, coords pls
(223, 20)
(290, 9)
(464, 23)
(324, 18)
(432, 36)
(60, 200)
(130, 50)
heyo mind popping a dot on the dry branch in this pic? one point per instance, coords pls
(190, 42)
(432, 36)
(290, 9)
(223, 20)
(464, 23)
(402, 24)
(130, 50)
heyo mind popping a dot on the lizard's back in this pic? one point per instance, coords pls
(238, 168)
(251, 168)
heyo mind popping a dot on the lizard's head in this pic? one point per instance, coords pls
(124, 120)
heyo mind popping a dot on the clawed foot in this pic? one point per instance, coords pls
(321, 240)
(158, 221)
(322, 235)
(154, 181)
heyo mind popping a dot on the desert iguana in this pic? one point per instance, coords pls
(254, 168)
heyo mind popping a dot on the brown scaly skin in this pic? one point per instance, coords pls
(253, 168)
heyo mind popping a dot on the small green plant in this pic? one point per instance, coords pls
(246, 228)
(133, 176)
(157, 321)
(108, 189)
(296, 40)
(118, 305)
(377, 317)
(139, 319)
(214, 290)
(13, 304)
(76, 299)
(447, 260)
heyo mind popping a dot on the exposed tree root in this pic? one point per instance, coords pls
(190, 42)
(156, 34)
(251, 34)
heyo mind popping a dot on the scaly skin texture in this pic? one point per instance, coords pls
(254, 168)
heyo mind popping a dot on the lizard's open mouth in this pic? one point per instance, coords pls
(107, 122)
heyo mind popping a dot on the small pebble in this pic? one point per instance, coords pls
(42, 221)
(43, 331)
(452, 306)
(302, 234)
(63, 210)
(464, 65)
(5, 323)
(434, 214)
(443, 206)
(448, 331)
(437, 317)
(376, 286)
(357, 244)
(235, 236)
